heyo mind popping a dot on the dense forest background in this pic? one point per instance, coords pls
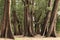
(29, 18)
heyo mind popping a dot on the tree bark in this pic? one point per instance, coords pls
(27, 19)
(47, 19)
(52, 27)
(6, 31)
(16, 32)
(32, 12)
(17, 29)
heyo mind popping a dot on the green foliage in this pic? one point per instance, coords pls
(49, 8)
(59, 7)
(58, 20)
(17, 5)
(1, 9)
(58, 24)
(40, 8)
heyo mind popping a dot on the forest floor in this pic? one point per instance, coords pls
(32, 38)
(37, 37)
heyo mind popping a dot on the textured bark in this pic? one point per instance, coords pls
(6, 28)
(47, 19)
(17, 29)
(16, 32)
(52, 27)
(27, 19)
(32, 12)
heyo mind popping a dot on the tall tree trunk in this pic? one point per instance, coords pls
(37, 27)
(52, 27)
(16, 32)
(37, 21)
(17, 29)
(32, 12)
(6, 27)
(27, 20)
(47, 19)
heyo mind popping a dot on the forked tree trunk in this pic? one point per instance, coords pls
(27, 20)
(52, 27)
(16, 22)
(47, 19)
(16, 32)
(6, 27)
(17, 27)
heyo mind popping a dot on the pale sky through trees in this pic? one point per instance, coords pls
(58, 12)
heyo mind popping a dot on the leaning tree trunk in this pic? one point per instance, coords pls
(47, 19)
(6, 28)
(52, 27)
(27, 20)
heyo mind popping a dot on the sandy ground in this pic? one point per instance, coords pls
(37, 37)
(31, 38)
(5, 39)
